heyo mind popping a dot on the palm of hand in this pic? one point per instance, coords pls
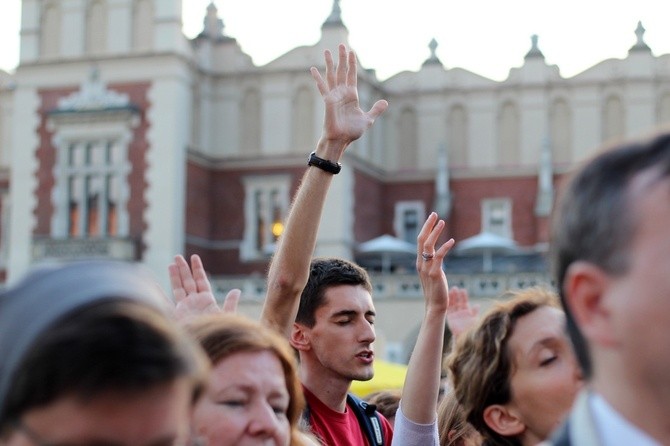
(462, 319)
(346, 120)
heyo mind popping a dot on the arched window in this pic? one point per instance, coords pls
(303, 120)
(250, 139)
(664, 110)
(508, 135)
(614, 123)
(457, 136)
(50, 30)
(143, 25)
(96, 27)
(407, 139)
(560, 119)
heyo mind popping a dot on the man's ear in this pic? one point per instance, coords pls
(503, 420)
(585, 287)
(299, 338)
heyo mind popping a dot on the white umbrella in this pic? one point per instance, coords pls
(388, 248)
(486, 243)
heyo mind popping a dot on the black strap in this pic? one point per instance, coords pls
(368, 418)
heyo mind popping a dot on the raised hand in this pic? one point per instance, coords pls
(460, 314)
(344, 121)
(192, 291)
(429, 264)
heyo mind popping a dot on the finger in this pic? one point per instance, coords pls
(199, 274)
(175, 283)
(330, 73)
(320, 83)
(425, 231)
(352, 70)
(341, 71)
(187, 281)
(231, 301)
(429, 244)
(444, 249)
(377, 109)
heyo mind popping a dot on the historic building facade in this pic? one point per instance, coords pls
(121, 138)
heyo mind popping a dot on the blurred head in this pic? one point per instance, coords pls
(387, 402)
(454, 430)
(515, 373)
(610, 232)
(254, 393)
(334, 327)
(90, 357)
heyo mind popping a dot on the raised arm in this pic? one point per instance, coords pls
(344, 122)
(422, 382)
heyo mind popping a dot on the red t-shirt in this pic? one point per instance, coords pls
(335, 428)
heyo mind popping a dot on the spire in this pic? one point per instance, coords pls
(534, 48)
(443, 196)
(640, 45)
(212, 24)
(545, 187)
(335, 17)
(433, 59)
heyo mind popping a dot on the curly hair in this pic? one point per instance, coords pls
(481, 365)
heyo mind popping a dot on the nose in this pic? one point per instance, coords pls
(367, 332)
(263, 420)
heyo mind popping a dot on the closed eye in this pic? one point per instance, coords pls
(548, 361)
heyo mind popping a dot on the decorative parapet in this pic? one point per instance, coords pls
(46, 248)
(401, 286)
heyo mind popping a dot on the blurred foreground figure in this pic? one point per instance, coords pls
(89, 356)
(611, 254)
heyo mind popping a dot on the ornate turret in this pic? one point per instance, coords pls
(640, 45)
(335, 17)
(213, 25)
(433, 59)
(534, 49)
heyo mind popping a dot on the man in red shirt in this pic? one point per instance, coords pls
(325, 306)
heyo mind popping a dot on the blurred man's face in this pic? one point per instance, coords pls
(638, 301)
(157, 416)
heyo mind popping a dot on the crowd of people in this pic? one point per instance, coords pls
(94, 352)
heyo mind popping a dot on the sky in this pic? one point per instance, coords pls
(487, 37)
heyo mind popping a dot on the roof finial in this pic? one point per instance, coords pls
(335, 17)
(433, 59)
(212, 24)
(534, 48)
(640, 44)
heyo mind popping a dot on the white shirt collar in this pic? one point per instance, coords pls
(613, 429)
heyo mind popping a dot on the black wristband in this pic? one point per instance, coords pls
(323, 164)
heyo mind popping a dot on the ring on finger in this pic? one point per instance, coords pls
(427, 256)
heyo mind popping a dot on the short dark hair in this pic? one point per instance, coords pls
(115, 345)
(326, 273)
(594, 221)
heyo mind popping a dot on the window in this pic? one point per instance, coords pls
(497, 216)
(408, 219)
(92, 177)
(266, 205)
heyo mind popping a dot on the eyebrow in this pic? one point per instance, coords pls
(547, 341)
(351, 313)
